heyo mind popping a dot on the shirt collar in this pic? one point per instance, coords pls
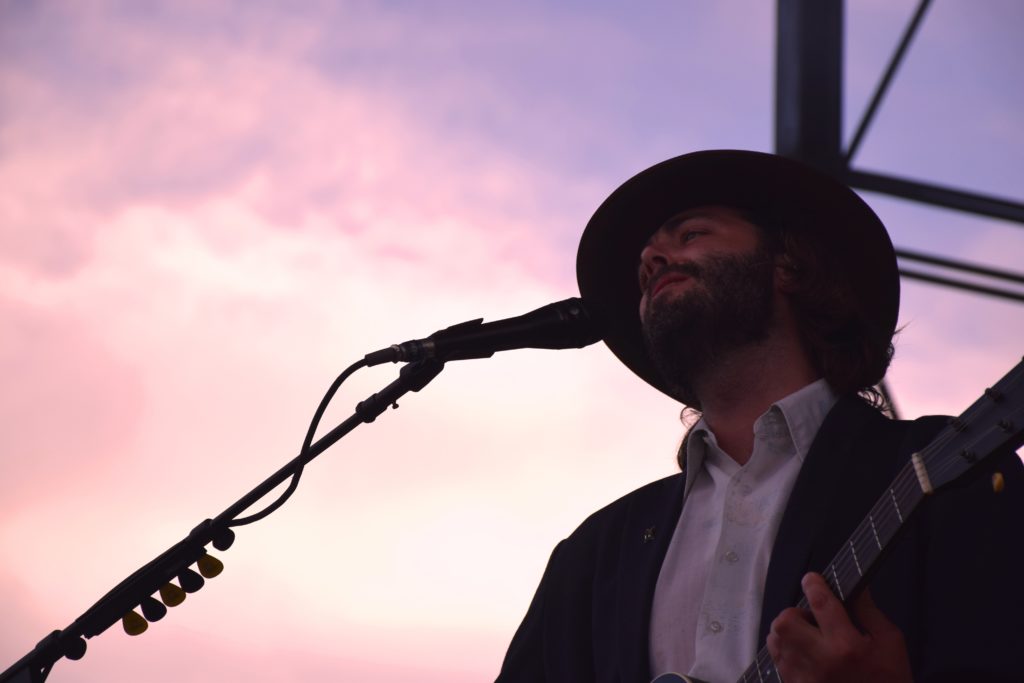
(802, 413)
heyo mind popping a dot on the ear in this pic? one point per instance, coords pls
(787, 275)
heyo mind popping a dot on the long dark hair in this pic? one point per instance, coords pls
(844, 345)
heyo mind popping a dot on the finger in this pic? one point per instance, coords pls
(872, 619)
(788, 656)
(793, 631)
(830, 614)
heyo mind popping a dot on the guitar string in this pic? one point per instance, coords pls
(1005, 386)
(950, 465)
(763, 664)
(846, 563)
(905, 483)
(943, 468)
(845, 570)
(884, 514)
(844, 566)
(929, 454)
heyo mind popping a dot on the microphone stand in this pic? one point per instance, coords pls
(138, 588)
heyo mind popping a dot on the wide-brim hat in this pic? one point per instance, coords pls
(840, 227)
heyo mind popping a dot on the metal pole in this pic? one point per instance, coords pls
(808, 87)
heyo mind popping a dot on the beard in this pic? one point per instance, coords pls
(728, 307)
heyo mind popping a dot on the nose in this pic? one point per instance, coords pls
(652, 258)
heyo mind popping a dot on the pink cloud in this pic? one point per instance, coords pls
(68, 404)
(191, 253)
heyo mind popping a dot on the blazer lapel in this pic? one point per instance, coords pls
(822, 490)
(646, 536)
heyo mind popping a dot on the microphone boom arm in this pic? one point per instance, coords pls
(35, 666)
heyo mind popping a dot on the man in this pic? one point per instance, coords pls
(765, 295)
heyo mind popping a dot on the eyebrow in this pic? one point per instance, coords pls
(681, 218)
(676, 221)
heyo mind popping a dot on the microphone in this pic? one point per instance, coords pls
(561, 325)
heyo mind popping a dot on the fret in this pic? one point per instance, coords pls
(887, 524)
(992, 422)
(896, 505)
(837, 586)
(868, 540)
(763, 668)
(865, 547)
(846, 572)
(875, 531)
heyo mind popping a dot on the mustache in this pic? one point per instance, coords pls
(687, 268)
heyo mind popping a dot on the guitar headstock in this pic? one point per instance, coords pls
(994, 422)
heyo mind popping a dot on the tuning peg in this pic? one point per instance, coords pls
(224, 539)
(134, 624)
(209, 566)
(172, 595)
(998, 482)
(153, 609)
(190, 581)
(75, 648)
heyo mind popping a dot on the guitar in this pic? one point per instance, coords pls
(994, 422)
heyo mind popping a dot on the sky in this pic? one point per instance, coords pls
(209, 209)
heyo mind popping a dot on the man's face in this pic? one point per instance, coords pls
(707, 287)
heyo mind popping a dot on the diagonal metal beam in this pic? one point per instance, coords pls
(883, 85)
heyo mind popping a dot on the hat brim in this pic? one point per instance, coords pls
(841, 226)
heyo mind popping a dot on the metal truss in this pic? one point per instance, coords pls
(808, 127)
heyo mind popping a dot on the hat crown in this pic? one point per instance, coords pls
(843, 230)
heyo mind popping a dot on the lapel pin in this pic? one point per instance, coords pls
(648, 534)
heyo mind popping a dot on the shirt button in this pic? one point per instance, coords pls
(731, 557)
(715, 627)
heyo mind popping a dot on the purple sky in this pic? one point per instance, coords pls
(208, 209)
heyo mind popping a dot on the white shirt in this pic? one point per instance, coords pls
(707, 602)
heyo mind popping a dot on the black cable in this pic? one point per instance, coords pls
(255, 517)
(307, 442)
(318, 415)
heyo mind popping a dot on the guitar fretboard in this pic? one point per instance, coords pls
(994, 421)
(845, 573)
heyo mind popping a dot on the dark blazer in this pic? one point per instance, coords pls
(952, 582)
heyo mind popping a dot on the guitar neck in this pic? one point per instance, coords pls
(847, 571)
(995, 421)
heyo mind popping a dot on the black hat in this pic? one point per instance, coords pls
(842, 230)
